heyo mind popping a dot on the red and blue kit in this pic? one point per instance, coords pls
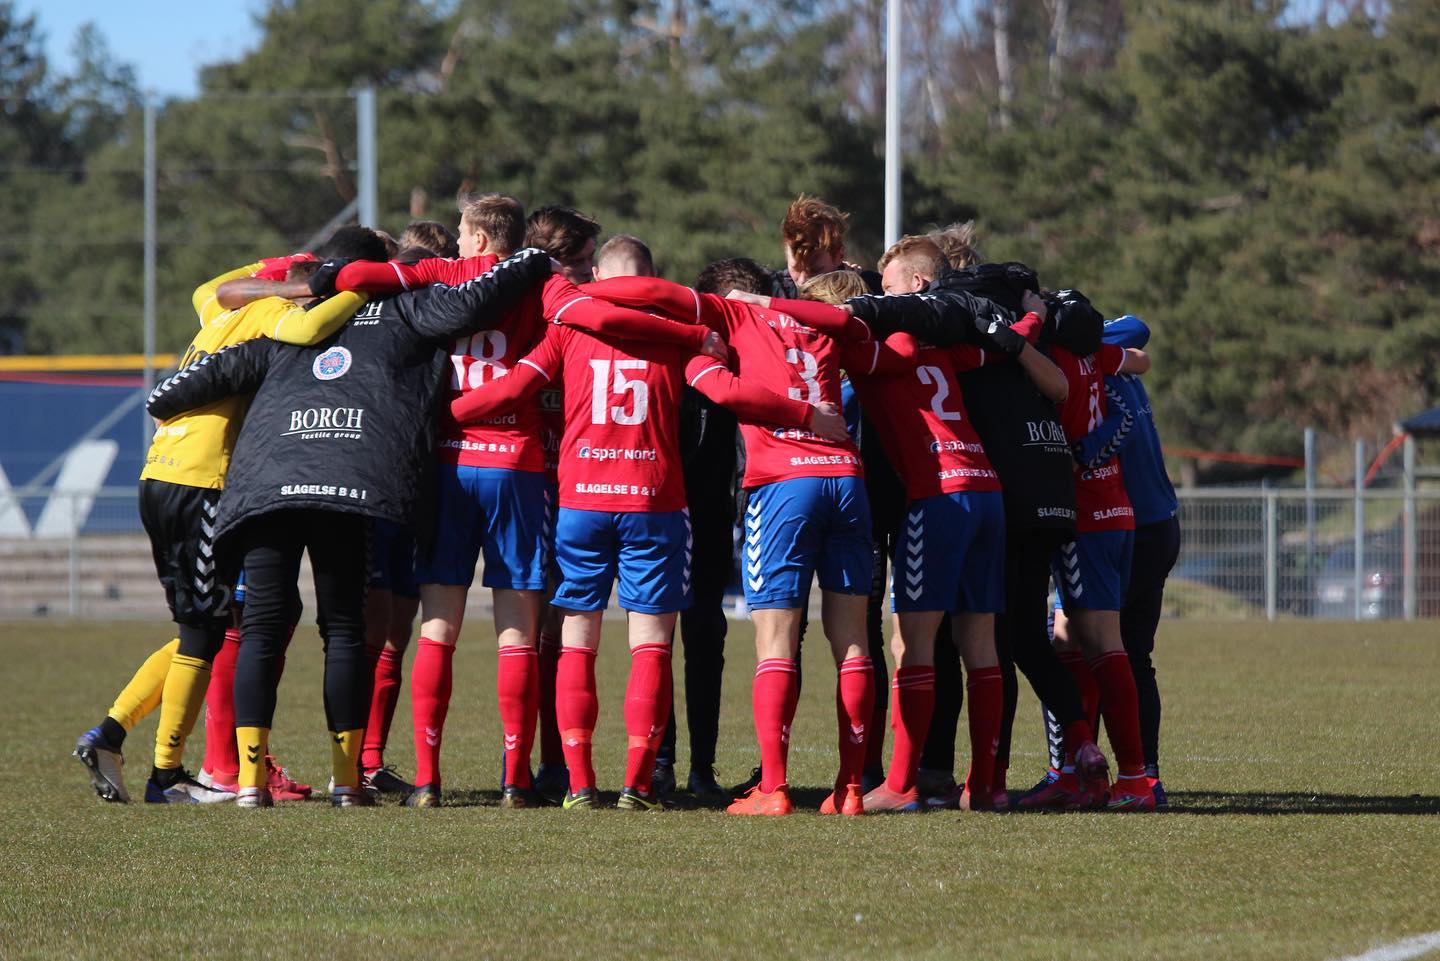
(949, 555)
(493, 493)
(620, 458)
(1093, 571)
(806, 510)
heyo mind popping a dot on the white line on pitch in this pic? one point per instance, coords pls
(1401, 950)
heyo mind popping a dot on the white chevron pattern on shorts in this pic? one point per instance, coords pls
(753, 522)
(1071, 562)
(915, 554)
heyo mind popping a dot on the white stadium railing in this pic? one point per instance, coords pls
(1245, 553)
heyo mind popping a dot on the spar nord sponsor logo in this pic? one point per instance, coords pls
(326, 422)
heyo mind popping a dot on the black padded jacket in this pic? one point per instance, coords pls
(348, 424)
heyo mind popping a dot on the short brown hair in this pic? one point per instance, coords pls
(391, 247)
(957, 243)
(920, 254)
(811, 226)
(431, 235)
(736, 273)
(562, 232)
(628, 247)
(302, 270)
(835, 287)
(499, 215)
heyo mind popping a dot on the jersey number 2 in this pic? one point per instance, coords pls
(935, 377)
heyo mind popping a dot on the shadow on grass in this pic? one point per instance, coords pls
(1299, 802)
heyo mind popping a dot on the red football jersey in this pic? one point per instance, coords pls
(1099, 492)
(776, 352)
(913, 400)
(773, 351)
(552, 426)
(514, 440)
(620, 451)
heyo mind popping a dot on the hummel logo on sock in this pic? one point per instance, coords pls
(174, 740)
(512, 742)
(432, 736)
(252, 754)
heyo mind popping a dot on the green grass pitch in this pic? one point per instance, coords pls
(1302, 760)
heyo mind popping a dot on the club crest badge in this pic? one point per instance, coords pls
(331, 364)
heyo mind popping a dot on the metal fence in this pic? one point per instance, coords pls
(1246, 553)
(1327, 554)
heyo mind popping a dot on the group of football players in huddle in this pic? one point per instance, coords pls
(941, 430)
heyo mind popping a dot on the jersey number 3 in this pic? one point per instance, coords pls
(601, 390)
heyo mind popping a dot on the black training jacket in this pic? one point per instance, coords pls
(348, 424)
(1017, 425)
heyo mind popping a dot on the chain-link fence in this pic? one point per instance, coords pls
(1246, 553)
(1326, 554)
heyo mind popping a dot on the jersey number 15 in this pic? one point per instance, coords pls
(602, 389)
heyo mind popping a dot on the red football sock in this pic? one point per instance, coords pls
(388, 671)
(911, 706)
(986, 690)
(222, 759)
(430, 681)
(875, 733)
(549, 659)
(517, 683)
(1085, 684)
(774, 694)
(1121, 707)
(576, 709)
(854, 709)
(647, 709)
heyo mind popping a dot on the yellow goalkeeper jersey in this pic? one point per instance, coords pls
(194, 448)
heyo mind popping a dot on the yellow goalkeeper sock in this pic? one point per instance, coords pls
(254, 744)
(180, 705)
(345, 756)
(142, 695)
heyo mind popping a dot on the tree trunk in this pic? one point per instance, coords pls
(1004, 69)
(1059, 41)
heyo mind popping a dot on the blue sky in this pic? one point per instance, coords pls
(167, 43)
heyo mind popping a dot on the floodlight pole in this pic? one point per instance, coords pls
(1411, 548)
(893, 58)
(148, 430)
(367, 158)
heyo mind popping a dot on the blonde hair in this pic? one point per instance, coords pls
(499, 215)
(920, 254)
(957, 243)
(429, 235)
(629, 250)
(835, 287)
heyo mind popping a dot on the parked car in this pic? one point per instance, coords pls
(1381, 579)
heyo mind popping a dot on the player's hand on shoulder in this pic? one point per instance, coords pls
(744, 296)
(826, 421)
(716, 347)
(1033, 303)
